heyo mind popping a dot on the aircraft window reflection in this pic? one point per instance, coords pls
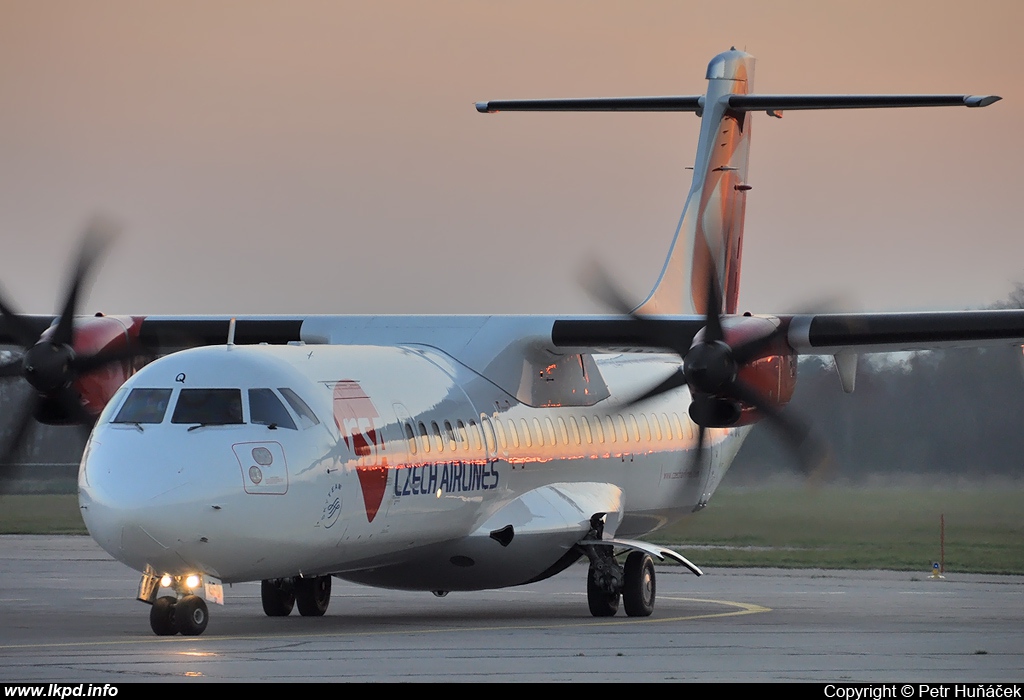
(666, 429)
(475, 430)
(488, 434)
(501, 433)
(423, 437)
(410, 435)
(209, 407)
(656, 426)
(609, 428)
(266, 409)
(677, 426)
(463, 437)
(598, 429)
(551, 430)
(587, 435)
(307, 419)
(563, 431)
(450, 434)
(144, 406)
(527, 439)
(622, 428)
(512, 432)
(438, 442)
(575, 429)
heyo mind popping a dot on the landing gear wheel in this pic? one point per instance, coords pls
(601, 602)
(161, 616)
(277, 600)
(638, 590)
(313, 595)
(191, 615)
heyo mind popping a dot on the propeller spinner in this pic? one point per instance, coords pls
(713, 368)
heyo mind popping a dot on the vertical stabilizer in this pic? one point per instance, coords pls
(711, 225)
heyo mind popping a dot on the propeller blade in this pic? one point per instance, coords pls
(600, 285)
(22, 331)
(11, 369)
(814, 456)
(96, 239)
(71, 402)
(672, 381)
(23, 421)
(713, 327)
(698, 453)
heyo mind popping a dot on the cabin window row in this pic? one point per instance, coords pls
(589, 430)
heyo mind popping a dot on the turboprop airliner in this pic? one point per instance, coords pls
(450, 453)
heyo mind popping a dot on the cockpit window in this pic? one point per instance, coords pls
(144, 406)
(307, 419)
(266, 409)
(209, 407)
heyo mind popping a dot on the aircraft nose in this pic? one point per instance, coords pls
(141, 502)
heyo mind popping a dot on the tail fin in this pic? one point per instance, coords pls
(710, 231)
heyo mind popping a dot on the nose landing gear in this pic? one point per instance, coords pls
(184, 613)
(187, 616)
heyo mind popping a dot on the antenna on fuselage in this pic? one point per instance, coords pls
(231, 332)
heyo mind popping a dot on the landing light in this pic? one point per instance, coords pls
(166, 581)
(192, 581)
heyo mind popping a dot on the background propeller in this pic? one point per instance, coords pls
(49, 364)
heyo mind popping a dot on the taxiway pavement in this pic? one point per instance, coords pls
(68, 614)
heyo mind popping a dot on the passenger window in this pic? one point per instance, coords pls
(623, 435)
(307, 419)
(609, 428)
(266, 409)
(209, 407)
(527, 440)
(551, 430)
(475, 430)
(424, 440)
(463, 437)
(678, 426)
(587, 435)
(410, 435)
(512, 433)
(575, 429)
(538, 432)
(144, 406)
(438, 442)
(563, 431)
(598, 430)
(450, 434)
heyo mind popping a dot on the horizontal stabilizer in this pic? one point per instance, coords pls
(668, 103)
(739, 103)
(750, 103)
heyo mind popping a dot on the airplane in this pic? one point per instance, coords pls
(450, 453)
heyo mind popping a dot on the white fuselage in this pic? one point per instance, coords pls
(414, 462)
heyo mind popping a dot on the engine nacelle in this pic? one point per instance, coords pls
(93, 335)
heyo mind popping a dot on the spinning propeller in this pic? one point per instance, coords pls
(50, 364)
(712, 367)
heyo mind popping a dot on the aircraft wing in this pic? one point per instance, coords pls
(808, 334)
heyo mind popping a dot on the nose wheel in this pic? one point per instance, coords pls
(188, 616)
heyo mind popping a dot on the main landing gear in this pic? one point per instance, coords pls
(280, 595)
(607, 581)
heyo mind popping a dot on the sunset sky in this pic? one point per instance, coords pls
(325, 157)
